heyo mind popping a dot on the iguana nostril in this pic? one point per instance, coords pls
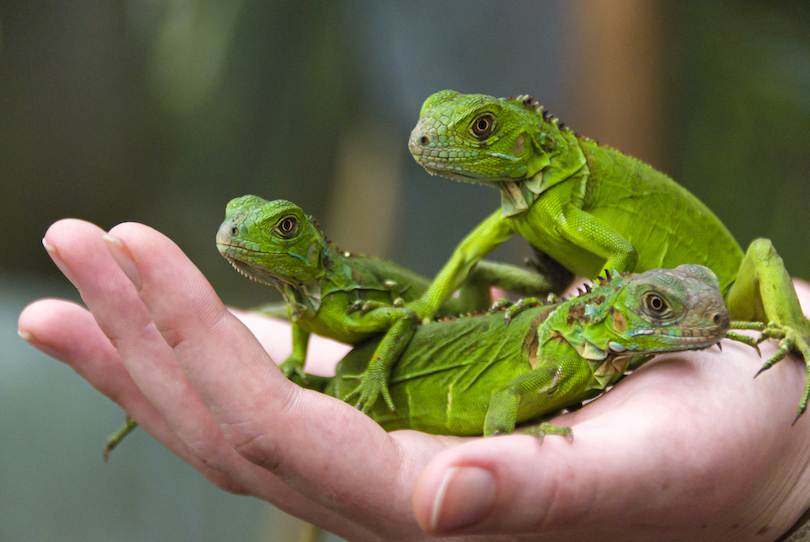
(424, 140)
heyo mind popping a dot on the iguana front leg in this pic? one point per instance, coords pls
(561, 373)
(481, 241)
(294, 364)
(401, 323)
(764, 292)
(476, 292)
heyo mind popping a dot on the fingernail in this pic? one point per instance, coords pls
(465, 496)
(25, 335)
(124, 260)
(57, 259)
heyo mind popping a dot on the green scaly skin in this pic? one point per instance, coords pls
(345, 297)
(482, 375)
(591, 208)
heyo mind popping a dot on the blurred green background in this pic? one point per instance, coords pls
(160, 111)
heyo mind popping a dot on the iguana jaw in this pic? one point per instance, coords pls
(244, 268)
(239, 257)
(518, 192)
(303, 298)
(681, 338)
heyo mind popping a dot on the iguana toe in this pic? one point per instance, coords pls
(368, 390)
(790, 340)
(543, 429)
(292, 368)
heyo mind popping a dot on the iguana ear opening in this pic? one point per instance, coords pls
(312, 252)
(619, 321)
(518, 147)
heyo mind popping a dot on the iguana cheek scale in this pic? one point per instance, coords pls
(590, 208)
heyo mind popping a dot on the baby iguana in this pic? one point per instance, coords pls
(343, 296)
(482, 375)
(589, 208)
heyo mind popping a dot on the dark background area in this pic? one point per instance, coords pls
(161, 111)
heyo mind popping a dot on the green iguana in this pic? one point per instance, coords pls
(589, 208)
(482, 374)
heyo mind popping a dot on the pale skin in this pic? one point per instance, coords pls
(690, 447)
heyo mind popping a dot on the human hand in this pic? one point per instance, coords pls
(689, 447)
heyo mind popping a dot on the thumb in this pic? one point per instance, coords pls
(478, 487)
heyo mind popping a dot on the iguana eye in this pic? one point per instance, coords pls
(655, 304)
(287, 226)
(482, 126)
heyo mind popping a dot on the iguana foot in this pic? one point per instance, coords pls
(499, 305)
(292, 368)
(521, 305)
(543, 429)
(372, 383)
(367, 305)
(118, 436)
(789, 340)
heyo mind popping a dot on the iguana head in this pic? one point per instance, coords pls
(662, 310)
(271, 241)
(504, 142)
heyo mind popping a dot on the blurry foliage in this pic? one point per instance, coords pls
(160, 111)
(738, 79)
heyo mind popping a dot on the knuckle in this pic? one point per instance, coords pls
(256, 448)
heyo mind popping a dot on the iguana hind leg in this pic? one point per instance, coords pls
(763, 291)
(475, 293)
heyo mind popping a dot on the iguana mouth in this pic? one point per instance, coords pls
(690, 339)
(445, 160)
(227, 247)
(250, 272)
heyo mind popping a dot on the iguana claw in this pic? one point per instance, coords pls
(368, 390)
(499, 305)
(789, 340)
(290, 368)
(365, 306)
(745, 339)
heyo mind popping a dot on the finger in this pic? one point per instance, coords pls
(67, 332)
(79, 249)
(297, 434)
